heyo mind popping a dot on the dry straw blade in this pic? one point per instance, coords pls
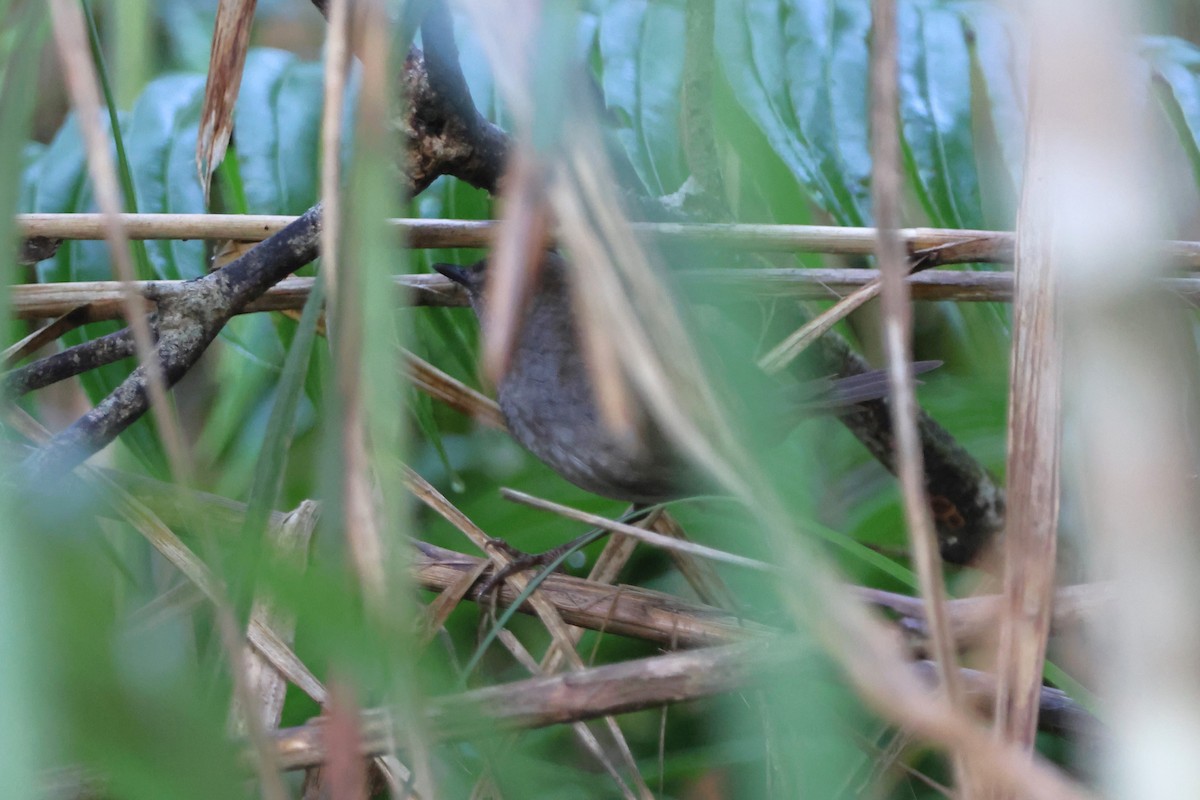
(231, 40)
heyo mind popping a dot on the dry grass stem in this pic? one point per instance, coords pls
(622, 611)
(630, 312)
(629, 611)
(440, 386)
(344, 774)
(559, 631)
(101, 300)
(287, 543)
(454, 393)
(437, 612)
(182, 503)
(603, 307)
(427, 494)
(668, 543)
(166, 542)
(556, 699)
(973, 620)
(515, 262)
(924, 715)
(886, 193)
(628, 686)
(44, 335)
(700, 574)
(363, 525)
(607, 567)
(616, 553)
(932, 245)
(337, 62)
(1131, 382)
(582, 732)
(787, 351)
(1034, 430)
(79, 72)
(231, 40)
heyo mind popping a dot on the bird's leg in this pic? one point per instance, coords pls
(521, 561)
(550, 559)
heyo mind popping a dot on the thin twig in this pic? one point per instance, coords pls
(580, 729)
(547, 613)
(897, 328)
(101, 299)
(936, 246)
(82, 84)
(438, 141)
(44, 335)
(973, 619)
(787, 350)
(454, 393)
(650, 537)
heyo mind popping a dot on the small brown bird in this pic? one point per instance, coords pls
(549, 403)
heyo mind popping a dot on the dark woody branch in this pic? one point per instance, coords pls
(445, 135)
(188, 320)
(445, 132)
(968, 503)
(624, 687)
(70, 362)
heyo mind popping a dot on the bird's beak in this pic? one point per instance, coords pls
(460, 275)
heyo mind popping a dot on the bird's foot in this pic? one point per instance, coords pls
(520, 561)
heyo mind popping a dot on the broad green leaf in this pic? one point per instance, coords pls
(62, 186)
(188, 30)
(826, 77)
(31, 171)
(60, 171)
(160, 137)
(935, 111)
(641, 46)
(1176, 63)
(1003, 65)
(137, 249)
(799, 71)
(277, 125)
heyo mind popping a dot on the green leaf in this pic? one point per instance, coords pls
(1002, 68)
(276, 443)
(799, 71)
(277, 126)
(187, 26)
(421, 406)
(641, 46)
(160, 136)
(56, 176)
(935, 110)
(452, 333)
(1176, 63)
